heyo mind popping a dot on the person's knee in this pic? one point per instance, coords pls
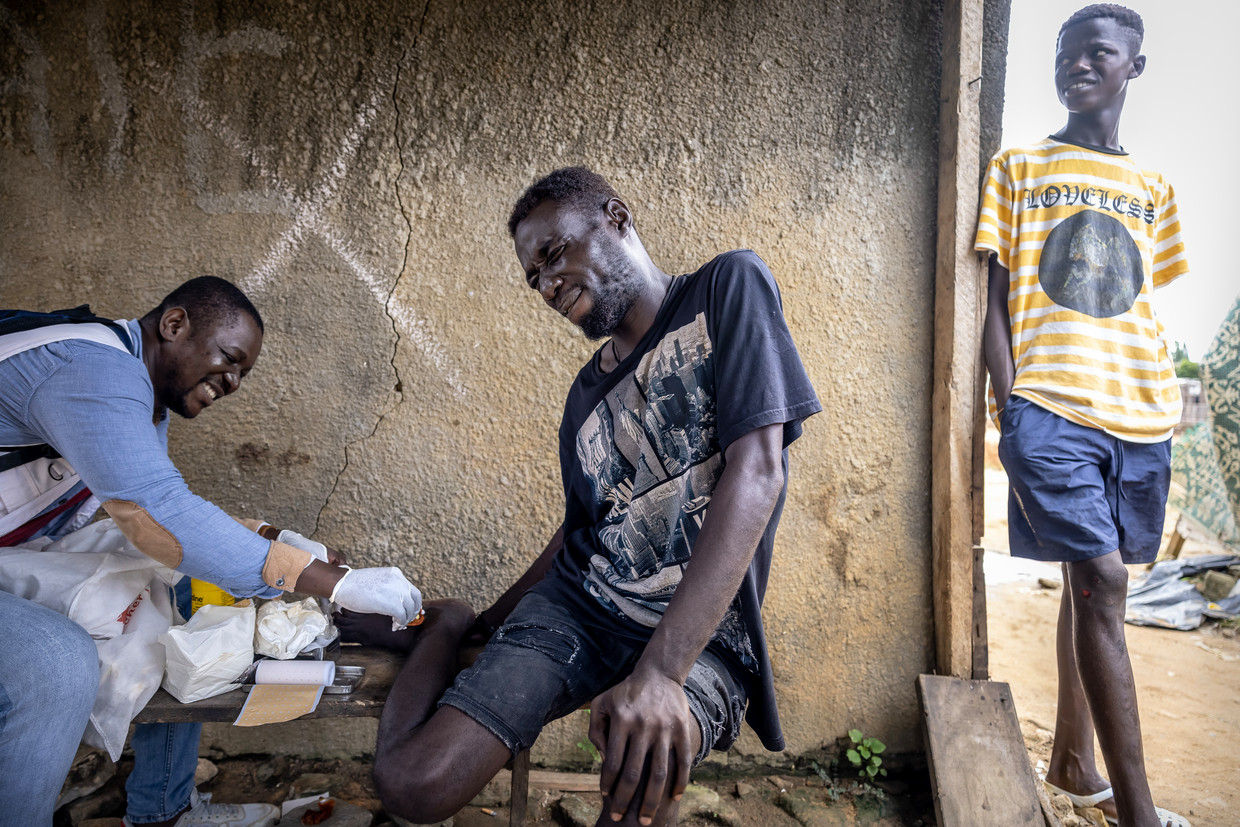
(1099, 584)
(70, 672)
(425, 796)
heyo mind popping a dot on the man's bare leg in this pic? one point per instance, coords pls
(429, 761)
(1099, 589)
(1073, 766)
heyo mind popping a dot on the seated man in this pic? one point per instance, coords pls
(98, 393)
(646, 602)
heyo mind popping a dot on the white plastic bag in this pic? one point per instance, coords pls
(91, 576)
(131, 666)
(285, 628)
(97, 578)
(209, 652)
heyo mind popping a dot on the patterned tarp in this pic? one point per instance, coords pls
(1205, 460)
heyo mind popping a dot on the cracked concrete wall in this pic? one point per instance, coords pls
(351, 165)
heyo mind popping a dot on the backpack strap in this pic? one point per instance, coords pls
(24, 454)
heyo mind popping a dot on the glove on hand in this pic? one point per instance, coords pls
(384, 591)
(292, 538)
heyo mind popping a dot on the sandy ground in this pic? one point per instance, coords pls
(1188, 683)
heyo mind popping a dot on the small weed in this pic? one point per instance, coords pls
(864, 756)
(587, 746)
(830, 776)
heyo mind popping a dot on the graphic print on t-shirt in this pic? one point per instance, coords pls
(651, 455)
(1090, 264)
(657, 479)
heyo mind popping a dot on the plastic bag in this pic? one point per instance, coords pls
(91, 576)
(131, 666)
(284, 628)
(209, 652)
(98, 579)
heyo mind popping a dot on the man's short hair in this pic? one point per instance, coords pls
(208, 301)
(1125, 17)
(576, 187)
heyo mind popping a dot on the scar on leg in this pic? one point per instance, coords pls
(1085, 592)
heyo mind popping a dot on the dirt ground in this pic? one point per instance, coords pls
(1188, 688)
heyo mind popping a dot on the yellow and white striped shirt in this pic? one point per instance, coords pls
(1086, 235)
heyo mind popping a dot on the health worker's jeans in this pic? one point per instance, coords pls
(162, 781)
(49, 675)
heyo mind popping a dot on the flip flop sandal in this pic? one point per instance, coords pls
(1166, 817)
(1080, 802)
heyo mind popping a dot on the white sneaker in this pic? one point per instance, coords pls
(203, 813)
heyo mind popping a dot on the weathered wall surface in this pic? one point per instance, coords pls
(351, 165)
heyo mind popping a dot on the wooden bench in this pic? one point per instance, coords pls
(366, 701)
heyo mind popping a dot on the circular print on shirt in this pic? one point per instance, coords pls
(1090, 264)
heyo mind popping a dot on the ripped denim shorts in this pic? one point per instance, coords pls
(543, 664)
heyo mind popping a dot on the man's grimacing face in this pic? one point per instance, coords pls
(577, 266)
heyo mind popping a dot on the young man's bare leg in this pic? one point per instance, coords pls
(429, 761)
(1099, 589)
(1073, 766)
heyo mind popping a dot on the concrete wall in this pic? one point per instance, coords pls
(352, 164)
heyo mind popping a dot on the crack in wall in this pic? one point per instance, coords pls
(404, 264)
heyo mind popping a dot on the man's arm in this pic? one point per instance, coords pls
(490, 618)
(646, 717)
(997, 334)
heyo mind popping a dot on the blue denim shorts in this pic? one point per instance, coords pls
(1076, 493)
(543, 664)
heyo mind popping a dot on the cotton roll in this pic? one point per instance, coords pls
(305, 672)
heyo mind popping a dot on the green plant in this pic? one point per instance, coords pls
(863, 755)
(587, 746)
(830, 778)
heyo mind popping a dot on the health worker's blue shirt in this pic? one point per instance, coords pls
(94, 404)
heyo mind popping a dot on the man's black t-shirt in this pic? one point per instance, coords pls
(641, 449)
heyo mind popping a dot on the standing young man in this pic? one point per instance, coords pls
(1085, 393)
(646, 603)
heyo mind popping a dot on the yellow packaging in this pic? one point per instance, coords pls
(202, 593)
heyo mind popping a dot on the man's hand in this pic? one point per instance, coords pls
(382, 590)
(646, 733)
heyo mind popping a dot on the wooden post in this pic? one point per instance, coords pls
(959, 304)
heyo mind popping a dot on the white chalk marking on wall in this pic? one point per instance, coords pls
(307, 216)
(195, 49)
(34, 87)
(114, 98)
(411, 324)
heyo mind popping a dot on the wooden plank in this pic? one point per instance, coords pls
(519, 798)
(959, 305)
(364, 702)
(565, 782)
(981, 634)
(978, 764)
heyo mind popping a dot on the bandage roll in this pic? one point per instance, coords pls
(304, 672)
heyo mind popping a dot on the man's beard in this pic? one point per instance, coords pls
(176, 401)
(613, 300)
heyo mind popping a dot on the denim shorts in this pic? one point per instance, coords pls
(543, 664)
(1076, 493)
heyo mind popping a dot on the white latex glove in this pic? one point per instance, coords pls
(382, 591)
(292, 538)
